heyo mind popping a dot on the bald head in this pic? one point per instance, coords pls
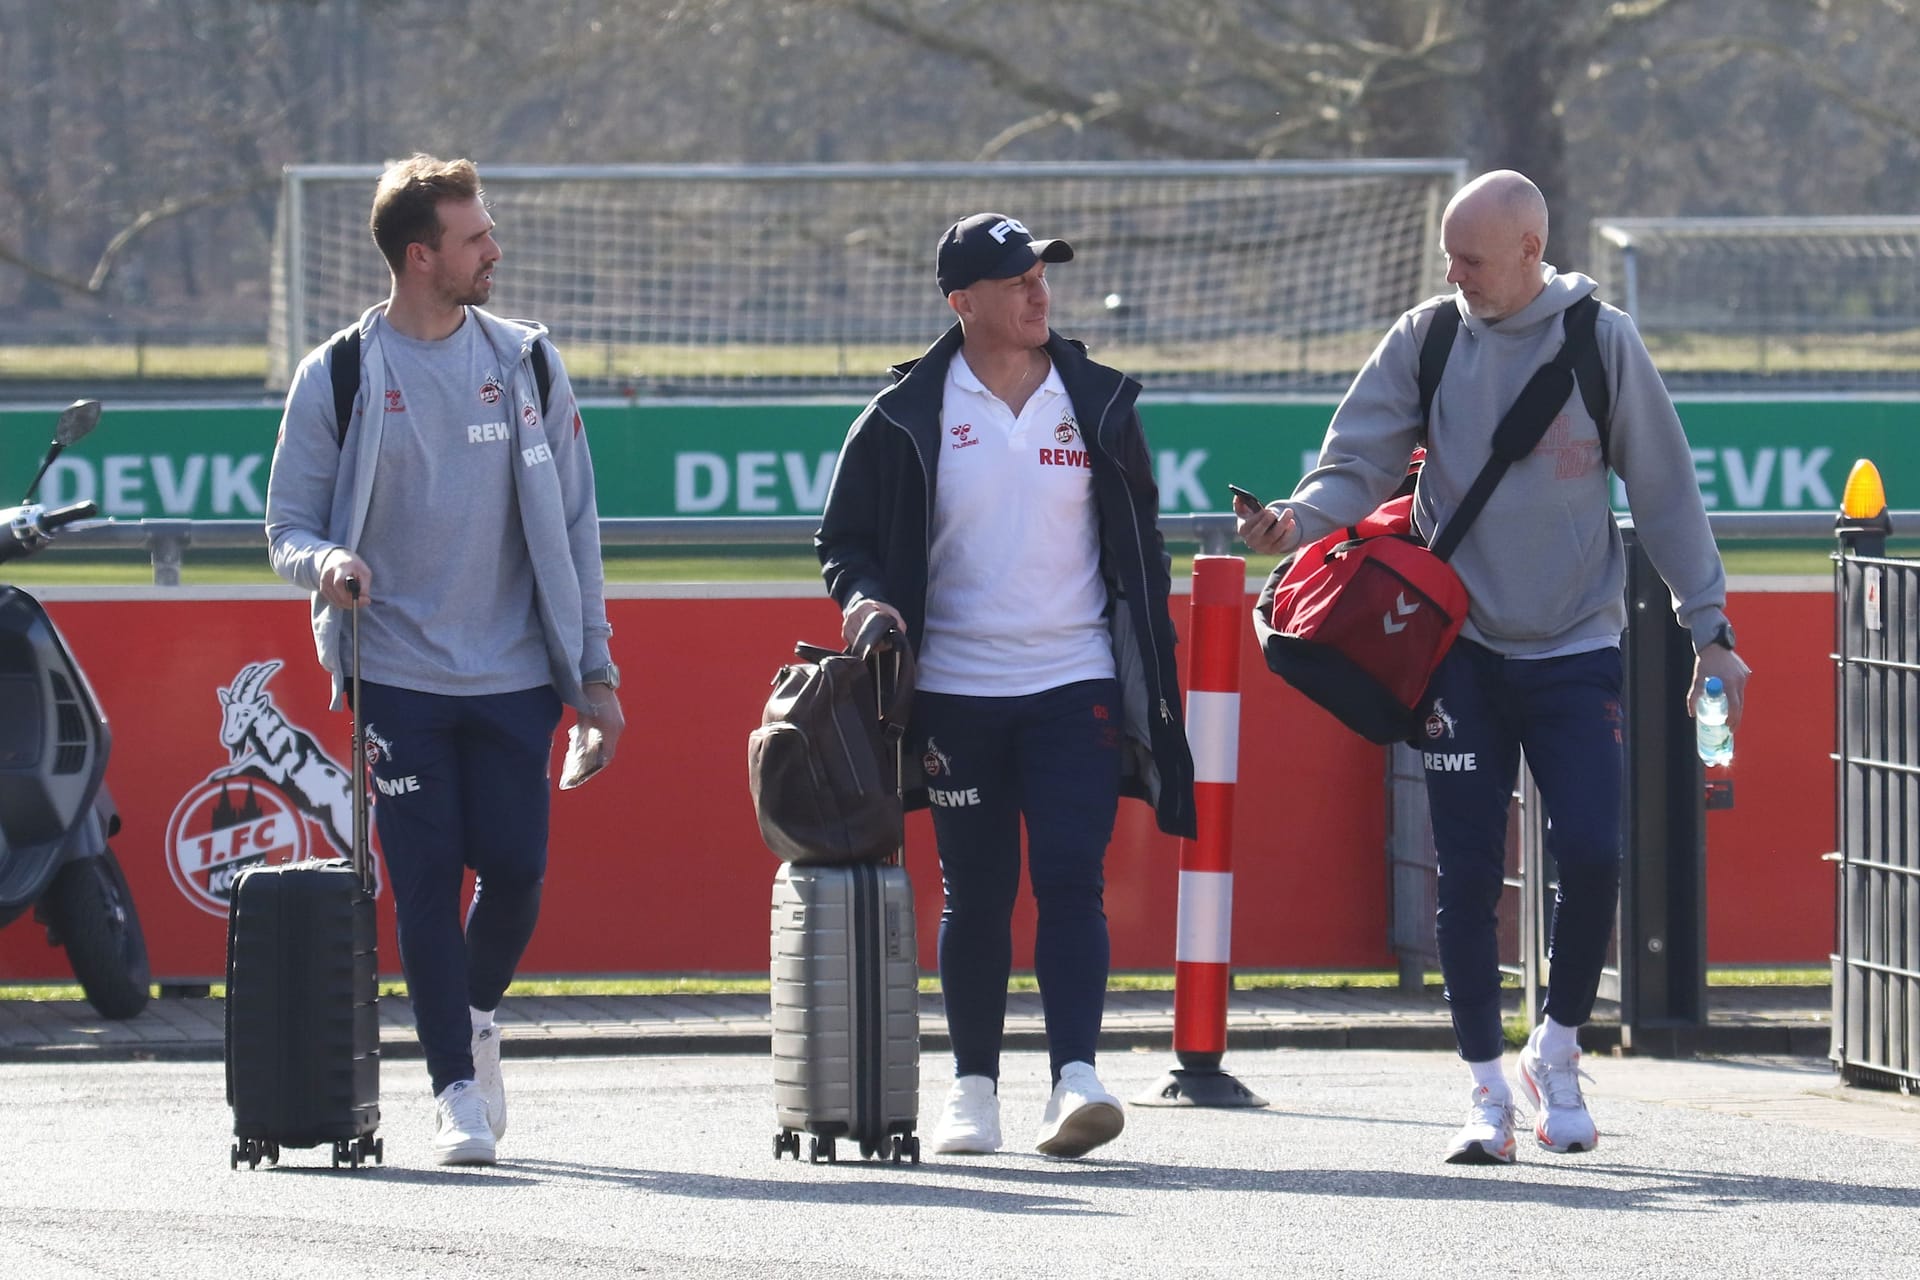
(1494, 233)
(1507, 196)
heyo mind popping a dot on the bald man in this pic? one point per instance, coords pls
(1538, 662)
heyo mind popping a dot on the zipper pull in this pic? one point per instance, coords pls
(1166, 716)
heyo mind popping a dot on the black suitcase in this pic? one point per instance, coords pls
(302, 1016)
(845, 994)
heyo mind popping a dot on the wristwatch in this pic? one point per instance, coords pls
(608, 675)
(1723, 636)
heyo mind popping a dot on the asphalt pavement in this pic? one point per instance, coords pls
(661, 1165)
(1780, 1021)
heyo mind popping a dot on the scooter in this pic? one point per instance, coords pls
(56, 815)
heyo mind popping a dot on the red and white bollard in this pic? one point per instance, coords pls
(1202, 973)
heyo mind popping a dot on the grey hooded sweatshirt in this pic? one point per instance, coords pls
(319, 489)
(1543, 563)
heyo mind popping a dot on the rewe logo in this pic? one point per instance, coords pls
(1400, 608)
(255, 809)
(1006, 227)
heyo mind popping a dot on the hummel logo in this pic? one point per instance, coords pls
(1403, 609)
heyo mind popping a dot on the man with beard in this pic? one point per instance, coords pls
(458, 497)
(1537, 666)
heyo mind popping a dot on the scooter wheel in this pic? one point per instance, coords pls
(91, 909)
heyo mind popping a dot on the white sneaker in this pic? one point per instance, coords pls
(486, 1078)
(970, 1122)
(1081, 1114)
(1487, 1136)
(1561, 1121)
(464, 1137)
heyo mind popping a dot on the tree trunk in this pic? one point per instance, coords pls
(1518, 124)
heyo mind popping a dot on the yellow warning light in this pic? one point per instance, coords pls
(1865, 497)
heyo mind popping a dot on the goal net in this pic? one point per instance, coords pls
(665, 280)
(1773, 303)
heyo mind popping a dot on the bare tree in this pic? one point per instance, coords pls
(121, 118)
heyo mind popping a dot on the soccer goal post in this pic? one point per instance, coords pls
(740, 280)
(1776, 303)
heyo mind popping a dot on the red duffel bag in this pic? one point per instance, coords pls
(1359, 620)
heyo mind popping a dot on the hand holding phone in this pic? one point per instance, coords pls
(1245, 496)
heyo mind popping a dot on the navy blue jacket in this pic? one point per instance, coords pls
(877, 527)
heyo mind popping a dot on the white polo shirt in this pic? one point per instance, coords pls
(1015, 600)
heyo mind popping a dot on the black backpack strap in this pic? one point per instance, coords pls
(1434, 351)
(343, 363)
(1587, 368)
(542, 374)
(1539, 402)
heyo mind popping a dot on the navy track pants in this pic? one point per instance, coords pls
(1565, 713)
(459, 783)
(1052, 758)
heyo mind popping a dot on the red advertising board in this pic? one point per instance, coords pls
(225, 752)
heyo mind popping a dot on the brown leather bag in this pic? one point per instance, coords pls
(824, 765)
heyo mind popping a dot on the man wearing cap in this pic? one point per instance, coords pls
(997, 505)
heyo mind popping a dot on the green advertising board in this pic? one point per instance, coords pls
(211, 461)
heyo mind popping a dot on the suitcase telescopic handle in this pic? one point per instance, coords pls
(362, 860)
(893, 678)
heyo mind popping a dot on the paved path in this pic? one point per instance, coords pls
(1791, 1021)
(661, 1166)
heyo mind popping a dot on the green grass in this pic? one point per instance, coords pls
(102, 362)
(754, 984)
(1320, 353)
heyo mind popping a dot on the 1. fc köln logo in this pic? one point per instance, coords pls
(262, 807)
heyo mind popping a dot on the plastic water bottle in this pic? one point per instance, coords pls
(1711, 734)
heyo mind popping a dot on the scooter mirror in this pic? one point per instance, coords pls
(76, 420)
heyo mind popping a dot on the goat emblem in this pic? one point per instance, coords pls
(262, 743)
(258, 808)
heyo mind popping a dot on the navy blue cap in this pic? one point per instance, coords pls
(991, 246)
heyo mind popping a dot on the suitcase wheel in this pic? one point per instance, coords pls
(355, 1151)
(819, 1149)
(253, 1150)
(905, 1147)
(787, 1140)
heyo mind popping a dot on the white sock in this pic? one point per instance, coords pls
(482, 1018)
(1558, 1043)
(1491, 1077)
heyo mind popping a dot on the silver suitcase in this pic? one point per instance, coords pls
(846, 1011)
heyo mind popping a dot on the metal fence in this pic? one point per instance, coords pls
(166, 542)
(1876, 960)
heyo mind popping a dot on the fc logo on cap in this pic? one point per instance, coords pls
(1006, 227)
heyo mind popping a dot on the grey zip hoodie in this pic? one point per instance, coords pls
(1543, 564)
(319, 488)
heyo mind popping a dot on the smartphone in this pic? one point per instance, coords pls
(1245, 496)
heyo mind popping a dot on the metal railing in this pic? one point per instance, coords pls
(166, 541)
